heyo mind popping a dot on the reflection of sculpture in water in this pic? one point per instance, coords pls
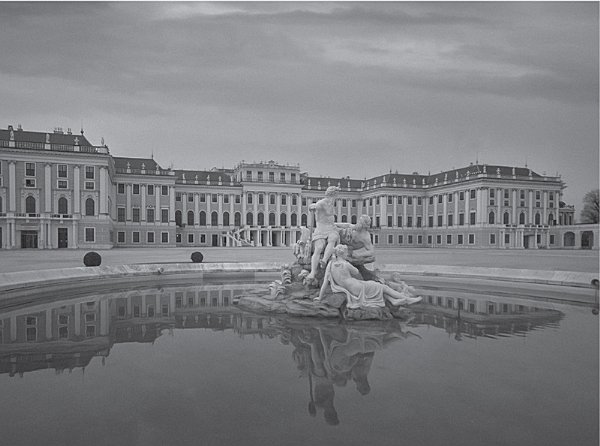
(342, 277)
(333, 356)
(325, 235)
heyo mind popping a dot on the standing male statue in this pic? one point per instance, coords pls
(325, 236)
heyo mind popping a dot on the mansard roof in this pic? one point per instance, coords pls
(20, 135)
(135, 164)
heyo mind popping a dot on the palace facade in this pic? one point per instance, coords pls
(59, 191)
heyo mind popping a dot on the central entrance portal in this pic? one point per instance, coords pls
(29, 239)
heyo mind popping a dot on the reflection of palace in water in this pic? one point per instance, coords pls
(67, 334)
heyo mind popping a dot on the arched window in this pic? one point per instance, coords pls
(249, 198)
(30, 205)
(202, 219)
(178, 218)
(90, 207)
(294, 220)
(551, 221)
(214, 218)
(491, 218)
(353, 220)
(538, 218)
(303, 220)
(261, 219)
(506, 219)
(282, 219)
(63, 206)
(344, 218)
(237, 219)
(190, 218)
(522, 218)
(225, 218)
(249, 219)
(271, 219)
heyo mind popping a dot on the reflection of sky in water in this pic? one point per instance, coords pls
(518, 373)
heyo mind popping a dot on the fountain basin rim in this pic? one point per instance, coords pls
(33, 281)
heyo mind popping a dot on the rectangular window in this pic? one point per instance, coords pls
(213, 198)
(62, 184)
(390, 220)
(471, 239)
(399, 221)
(450, 196)
(410, 239)
(164, 215)
(419, 221)
(260, 176)
(400, 239)
(461, 196)
(164, 237)
(284, 200)
(202, 238)
(389, 200)
(62, 170)
(431, 200)
(459, 239)
(203, 198)
(390, 239)
(190, 198)
(120, 214)
(440, 199)
(439, 220)
(472, 218)
(282, 177)
(150, 237)
(248, 175)
(136, 189)
(449, 239)
(150, 215)
(450, 220)
(120, 188)
(30, 169)
(400, 199)
(150, 189)
(409, 222)
(552, 239)
(226, 198)
(410, 201)
(419, 201)
(353, 203)
(461, 219)
(507, 239)
(293, 178)
(90, 234)
(190, 238)
(472, 194)
(164, 190)
(135, 236)
(430, 221)
(492, 239)
(90, 185)
(135, 214)
(295, 200)
(438, 239)
(238, 199)
(177, 196)
(271, 177)
(419, 239)
(120, 237)
(90, 173)
(303, 201)
(261, 199)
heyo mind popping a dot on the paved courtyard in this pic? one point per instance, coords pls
(548, 260)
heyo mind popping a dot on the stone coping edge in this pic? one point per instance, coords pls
(39, 279)
(557, 278)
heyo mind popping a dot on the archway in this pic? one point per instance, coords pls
(587, 240)
(569, 239)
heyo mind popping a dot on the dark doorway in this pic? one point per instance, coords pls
(0, 238)
(526, 241)
(215, 240)
(587, 239)
(63, 238)
(29, 239)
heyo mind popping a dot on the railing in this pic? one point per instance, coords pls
(145, 172)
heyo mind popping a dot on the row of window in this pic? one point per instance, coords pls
(63, 206)
(62, 171)
(271, 177)
(60, 184)
(410, 239)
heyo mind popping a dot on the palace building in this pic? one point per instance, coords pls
(57, 190)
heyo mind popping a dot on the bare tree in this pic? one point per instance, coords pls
(589, 213)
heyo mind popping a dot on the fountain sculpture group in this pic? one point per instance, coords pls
(332, 275)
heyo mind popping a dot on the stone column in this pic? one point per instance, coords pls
(435, 210)
(545, 208)
(220, 210)
(157, 210)
(395, 212)
(500, 201)
(128, 202)
(445, 210)
(104, 191)
(530, 207)
(208, 210)
(196, 210)
(143, 205)
(514, 207)
(467, 208)
(171, 204)
(455, 198)
(404, 208)
(47, 189)
(244, 211)
(12, 187)
(76, 190)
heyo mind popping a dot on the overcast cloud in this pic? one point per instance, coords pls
(340, 88)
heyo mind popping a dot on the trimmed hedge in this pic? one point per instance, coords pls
(197, 257)
(92, 259)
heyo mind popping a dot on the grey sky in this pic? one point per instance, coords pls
(341, 88)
